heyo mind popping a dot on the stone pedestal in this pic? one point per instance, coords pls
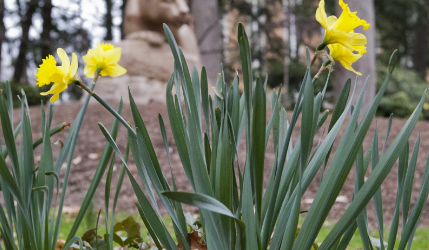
(143, 89)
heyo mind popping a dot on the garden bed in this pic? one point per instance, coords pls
(91, 142)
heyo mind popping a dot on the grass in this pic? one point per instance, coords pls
(421, 242)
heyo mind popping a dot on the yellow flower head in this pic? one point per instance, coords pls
(344, 55)
(341, 30)
(105, 57)
(61, 76)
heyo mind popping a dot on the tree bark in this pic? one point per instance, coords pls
(208, 32)
(108, 21)
(365, 65)
(2, 31)
(421, 43)
(21, 60)
(45, 37)
(124, 3)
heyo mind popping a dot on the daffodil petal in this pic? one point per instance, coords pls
(348, 66)
(99, 52)
(88, 59)
(65, 60)
(113, 55)
(57, 88)
(54, 98)
(74, 65)
(321, 16)
(354, 41)
(114, 71)
(89, 71)
(331, 21)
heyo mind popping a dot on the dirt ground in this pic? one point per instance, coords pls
(91, 142)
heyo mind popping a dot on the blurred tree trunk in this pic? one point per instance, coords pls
(108, 21)
(421, 42)
(2, 31)
(21, 61)
(366, 65)
(208, 32)
(45, 37)
(124, 3)
(286, 41)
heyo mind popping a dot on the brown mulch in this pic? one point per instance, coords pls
(91, 142)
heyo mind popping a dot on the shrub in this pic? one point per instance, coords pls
(32, 93)
(403, 93)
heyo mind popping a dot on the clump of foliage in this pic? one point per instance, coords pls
(236, 211)
(31, 210)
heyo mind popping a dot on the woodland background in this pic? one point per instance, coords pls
(279, 30)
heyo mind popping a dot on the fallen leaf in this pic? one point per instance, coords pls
(60, 245)
(196, 242)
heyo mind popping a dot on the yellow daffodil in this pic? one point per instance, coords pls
(341, 30)
(105, 58)
(344, 55)
(61, 76)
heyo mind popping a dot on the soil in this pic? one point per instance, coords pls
(91, 142)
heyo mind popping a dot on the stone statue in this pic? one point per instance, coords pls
(144, 20)
(145, 52)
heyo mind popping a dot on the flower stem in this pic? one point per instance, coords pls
(114, 113)
(102, 102)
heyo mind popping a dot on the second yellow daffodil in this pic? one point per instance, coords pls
(341, 30)
(61, 76)
(104, 58)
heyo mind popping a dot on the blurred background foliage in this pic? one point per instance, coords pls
(278, 31)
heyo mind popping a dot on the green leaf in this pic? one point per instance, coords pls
(205, 98)
(204, 202)
(375, 179)
(258, 144)
(101, 168)
(378, 202)
(158, 227)
(337, 173)
(9, 138)
(408, 182)
(417, 211)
